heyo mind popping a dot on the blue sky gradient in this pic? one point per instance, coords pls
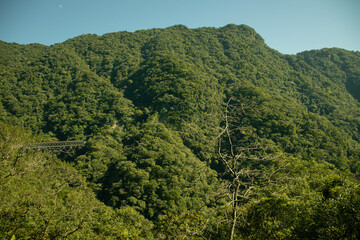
(289, 26)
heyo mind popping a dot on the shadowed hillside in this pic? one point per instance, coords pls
(191, 133)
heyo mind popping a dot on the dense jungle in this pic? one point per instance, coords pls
(203, 133)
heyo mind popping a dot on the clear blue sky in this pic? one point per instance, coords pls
(289, 26)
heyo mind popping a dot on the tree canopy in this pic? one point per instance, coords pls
(190, 134)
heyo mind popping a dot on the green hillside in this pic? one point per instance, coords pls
(191, 134)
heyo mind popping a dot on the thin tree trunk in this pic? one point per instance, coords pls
(234, 217)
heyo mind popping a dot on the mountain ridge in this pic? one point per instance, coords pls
(200, 112)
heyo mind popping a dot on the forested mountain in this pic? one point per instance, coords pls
(190, 134)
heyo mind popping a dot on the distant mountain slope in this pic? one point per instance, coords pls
(78, 87)
(154, 106)
(231, 55)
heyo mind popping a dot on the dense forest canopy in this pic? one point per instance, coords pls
(190, 134)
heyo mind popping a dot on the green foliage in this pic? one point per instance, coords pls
(158, 175)
(43, 198)
(153, 106)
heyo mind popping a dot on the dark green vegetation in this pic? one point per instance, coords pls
(191, 134)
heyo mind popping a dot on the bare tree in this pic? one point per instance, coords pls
(243, 158)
